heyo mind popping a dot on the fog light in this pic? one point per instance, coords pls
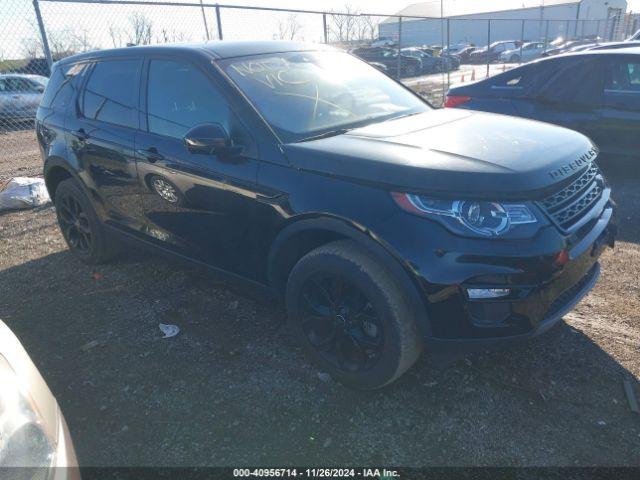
(477, 293)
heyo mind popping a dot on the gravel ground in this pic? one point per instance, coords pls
(234, 389)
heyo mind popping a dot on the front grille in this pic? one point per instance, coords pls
(574, 201)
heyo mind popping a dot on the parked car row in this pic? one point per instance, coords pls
(413, 60)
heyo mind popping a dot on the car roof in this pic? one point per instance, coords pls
(611, 51)
(21, 75)
(216, 49)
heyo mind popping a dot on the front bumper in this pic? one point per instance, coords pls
(543, 285)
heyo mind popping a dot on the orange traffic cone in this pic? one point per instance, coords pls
(462, 79)
(473, 74)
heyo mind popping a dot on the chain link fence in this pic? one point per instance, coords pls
(35, 33)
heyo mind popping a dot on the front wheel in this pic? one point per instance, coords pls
(515, 59)
(350, 315)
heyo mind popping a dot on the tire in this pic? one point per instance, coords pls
(85, 235)
(514, 59)
(351, 317)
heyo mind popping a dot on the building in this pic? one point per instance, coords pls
(470, 21)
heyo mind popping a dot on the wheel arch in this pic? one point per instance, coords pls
(55, 171)
(301, 236)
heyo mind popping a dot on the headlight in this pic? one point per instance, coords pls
(487, 219)
(23, 442)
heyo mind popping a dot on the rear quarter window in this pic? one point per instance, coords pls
(516, 79)
(62, 86)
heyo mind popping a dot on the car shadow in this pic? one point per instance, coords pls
(233, 387)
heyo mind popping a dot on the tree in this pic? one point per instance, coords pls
(81, 41)
(117, 37)
(172, 36)
(370, 27)
(290, 28)
(32, 48)
(141, 29)
(342, 25)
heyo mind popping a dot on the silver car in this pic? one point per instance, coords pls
(20, 96)
(530, 51)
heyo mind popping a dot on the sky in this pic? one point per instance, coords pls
(97, 24)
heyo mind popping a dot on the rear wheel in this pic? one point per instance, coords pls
(351, 317)
(85, 235)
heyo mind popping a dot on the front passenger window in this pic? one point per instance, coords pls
(180, 97)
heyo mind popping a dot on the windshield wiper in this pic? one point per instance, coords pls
(330, 133)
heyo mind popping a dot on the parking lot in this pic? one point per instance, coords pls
(234, 389)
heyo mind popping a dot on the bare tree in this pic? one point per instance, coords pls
(82, 41)
(141, 29)
(117, 37)
(371, 26)
(32, 47)
(342, 25)
(172, 36)
(290, 28)
(61, 44)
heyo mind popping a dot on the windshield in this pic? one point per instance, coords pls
(309, 94)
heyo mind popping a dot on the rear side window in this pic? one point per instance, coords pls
(179, 97)
(111, 93)
(61, 86)
(579, 81)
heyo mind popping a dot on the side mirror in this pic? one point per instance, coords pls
(208, 139)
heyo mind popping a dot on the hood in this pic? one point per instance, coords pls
(451, 152)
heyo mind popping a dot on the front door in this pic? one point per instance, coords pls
(620, 114)
(199, 205)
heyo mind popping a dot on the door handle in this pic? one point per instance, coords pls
(80, 134)
(151, 154)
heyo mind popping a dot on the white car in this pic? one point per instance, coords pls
(530, 51)
(20, 95)
(33, 432)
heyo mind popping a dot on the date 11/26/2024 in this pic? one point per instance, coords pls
(380, 473)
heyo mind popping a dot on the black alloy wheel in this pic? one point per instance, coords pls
(341, 323)
(81, 228)
(352, 316)
(74, 224)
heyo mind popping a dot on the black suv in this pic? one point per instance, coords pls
(386, 226)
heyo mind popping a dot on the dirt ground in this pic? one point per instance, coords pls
(233, 388)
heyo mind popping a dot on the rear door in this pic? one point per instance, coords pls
(199, 205)
(620, 113)
(102, 133)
